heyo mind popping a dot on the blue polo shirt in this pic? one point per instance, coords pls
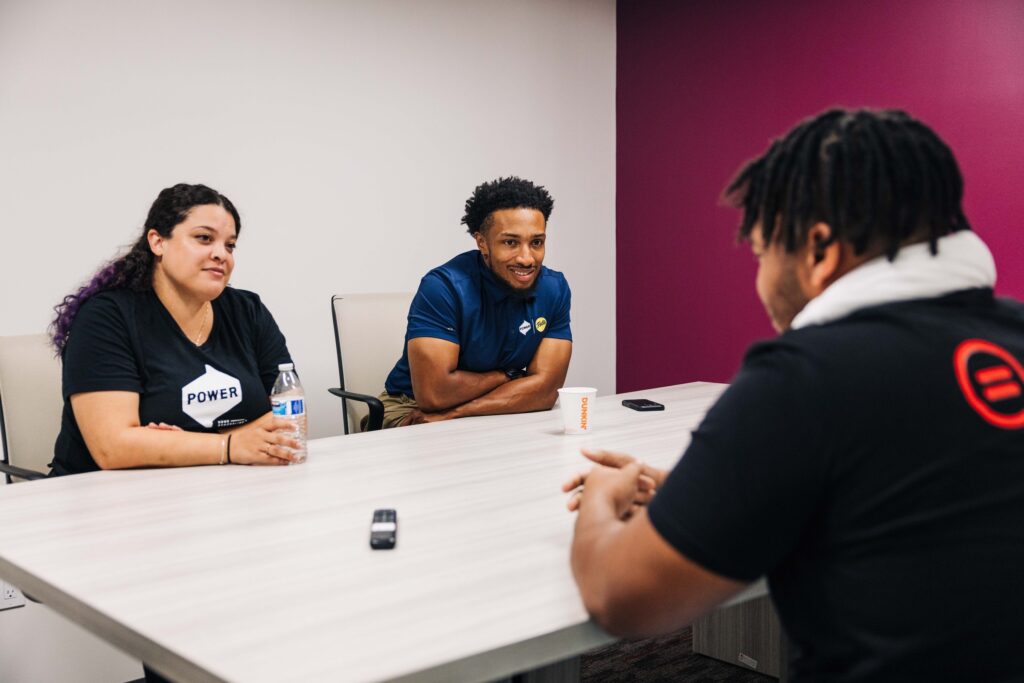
(464, 302)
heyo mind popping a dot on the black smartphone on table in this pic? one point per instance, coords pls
(642, 404)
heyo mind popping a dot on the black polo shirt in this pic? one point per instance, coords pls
(873, 469)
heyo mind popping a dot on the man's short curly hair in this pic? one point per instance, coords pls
(504, 193)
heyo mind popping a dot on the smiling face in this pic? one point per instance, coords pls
(512, 246)
(197, 258)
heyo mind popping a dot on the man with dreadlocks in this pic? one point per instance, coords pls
(489, 330)
(870, 460)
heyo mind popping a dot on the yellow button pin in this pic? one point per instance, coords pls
(541, 324)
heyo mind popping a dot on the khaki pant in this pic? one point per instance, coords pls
(396, 408)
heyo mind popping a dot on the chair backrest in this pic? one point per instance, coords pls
(30, 400)
(369, 334)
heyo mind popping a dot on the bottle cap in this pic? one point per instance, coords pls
(284, 367)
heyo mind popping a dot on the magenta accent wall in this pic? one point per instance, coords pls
(703, 86)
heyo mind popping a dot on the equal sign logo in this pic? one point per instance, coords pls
(998, 382)
(992, 381)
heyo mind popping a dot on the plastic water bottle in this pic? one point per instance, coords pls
(287, 400)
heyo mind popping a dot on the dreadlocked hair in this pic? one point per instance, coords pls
(134, 270)
(504, 193)
(879, 179)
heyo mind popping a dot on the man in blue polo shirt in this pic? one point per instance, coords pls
(489, 330)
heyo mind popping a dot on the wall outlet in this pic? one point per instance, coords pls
(10, 596)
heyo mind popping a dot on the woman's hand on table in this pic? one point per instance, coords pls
(265, 441)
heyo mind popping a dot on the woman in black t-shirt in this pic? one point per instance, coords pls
(163, 364)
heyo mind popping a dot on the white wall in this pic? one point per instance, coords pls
(348, 133)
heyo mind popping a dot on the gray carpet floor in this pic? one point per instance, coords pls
(658, 660)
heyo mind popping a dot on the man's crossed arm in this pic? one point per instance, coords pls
(443, 391)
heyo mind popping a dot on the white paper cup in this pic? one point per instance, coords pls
(577, 408)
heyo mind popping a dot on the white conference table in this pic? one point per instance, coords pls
(255, 574)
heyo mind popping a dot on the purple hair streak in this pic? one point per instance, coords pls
(134, 270)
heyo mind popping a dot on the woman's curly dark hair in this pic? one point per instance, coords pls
(134, 270)
(504, 193)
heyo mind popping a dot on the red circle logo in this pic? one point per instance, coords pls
(992, 381)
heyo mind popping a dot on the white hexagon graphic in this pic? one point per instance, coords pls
(210, 395)
(525, 327)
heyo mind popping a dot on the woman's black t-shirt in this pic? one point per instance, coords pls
(127, 341)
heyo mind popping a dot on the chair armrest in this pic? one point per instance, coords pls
(376, 420)
(22, 473)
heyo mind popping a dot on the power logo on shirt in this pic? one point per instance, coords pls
(210, 395)
(525, 327)
(992, 381)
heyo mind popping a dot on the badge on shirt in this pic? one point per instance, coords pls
(210, 395)
(525, 327)
(541, 324)
(992, 381)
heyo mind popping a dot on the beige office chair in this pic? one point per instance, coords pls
(369, 335)
(30, 405)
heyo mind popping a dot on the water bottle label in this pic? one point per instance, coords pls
(288, 407)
